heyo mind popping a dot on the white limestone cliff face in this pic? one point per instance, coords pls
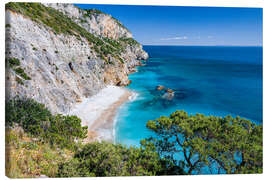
(99, 24)
(63, 69)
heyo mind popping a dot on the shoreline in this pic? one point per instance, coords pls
(98, 112)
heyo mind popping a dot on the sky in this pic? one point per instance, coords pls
(178, 25)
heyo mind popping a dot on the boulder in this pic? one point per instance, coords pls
(129, 82)
(168, 96)
(169, 90)
(119, 83)
(160, 87)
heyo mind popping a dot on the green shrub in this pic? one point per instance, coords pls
(38, 121)
(64, 130)
(129, 41)
(13, 62)
(21, 73)
(28, 114)
(106, 159)
(30, 145)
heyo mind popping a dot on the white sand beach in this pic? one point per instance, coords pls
(98, 112)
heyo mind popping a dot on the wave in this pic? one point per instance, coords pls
(133, 97)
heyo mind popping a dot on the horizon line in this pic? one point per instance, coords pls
(203, 45)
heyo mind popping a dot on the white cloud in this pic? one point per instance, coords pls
(174, 38)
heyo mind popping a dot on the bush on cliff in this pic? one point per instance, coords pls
(220, 144)
(37, 120)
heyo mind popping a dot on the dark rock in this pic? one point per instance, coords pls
(71, 66)
(119, 83)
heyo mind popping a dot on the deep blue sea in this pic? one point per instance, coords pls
(210, 80)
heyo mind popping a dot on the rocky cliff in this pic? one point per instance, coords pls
(59, 54)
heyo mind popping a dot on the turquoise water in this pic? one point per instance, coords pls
(210, 80)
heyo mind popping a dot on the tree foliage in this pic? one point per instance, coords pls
(220, 144)
(183, 144)
(38, 121)
(106, 159)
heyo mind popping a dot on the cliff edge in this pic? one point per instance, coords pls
(59, 54)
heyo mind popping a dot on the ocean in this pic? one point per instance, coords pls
(210, 80)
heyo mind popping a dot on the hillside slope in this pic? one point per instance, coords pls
(59, 54)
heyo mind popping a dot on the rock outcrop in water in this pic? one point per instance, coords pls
(168, 93)
(59, 54)
(160, 87)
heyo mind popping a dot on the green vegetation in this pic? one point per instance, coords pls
(61, 23)
(106, 159)
(14, 64)
(37, 121)
(129, 41)
(230, 145)
(21, 73)
(90, 12)
(28, 158)
(38, 142)
(19, 80)
(8, 26)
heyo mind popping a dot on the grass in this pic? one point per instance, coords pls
(27, 158)
(37, 141)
